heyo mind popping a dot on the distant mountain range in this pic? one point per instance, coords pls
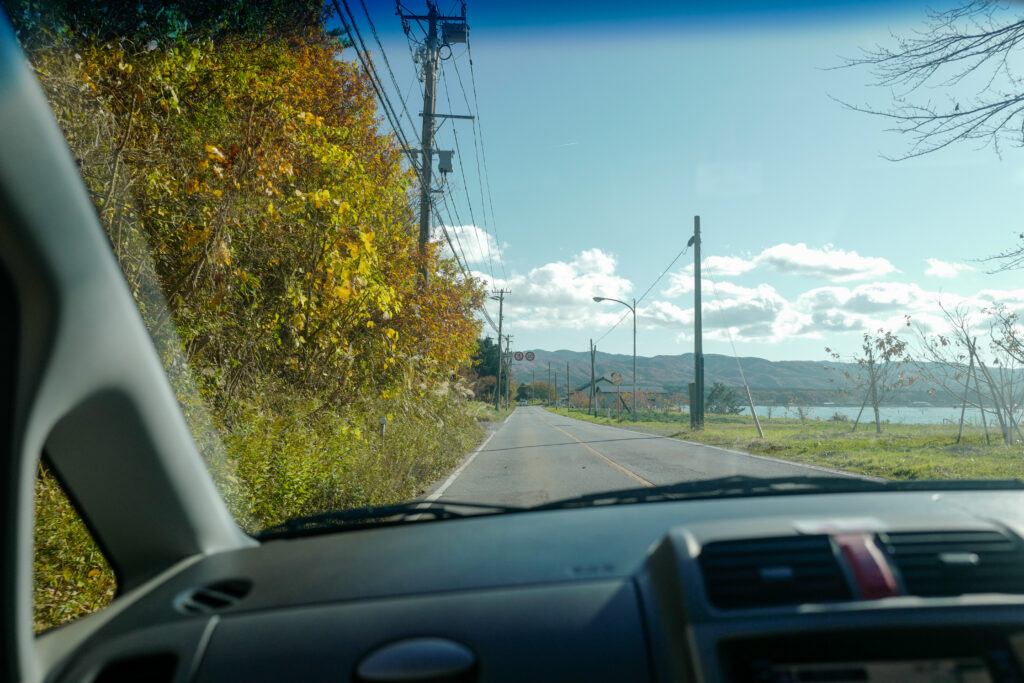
(813, 382)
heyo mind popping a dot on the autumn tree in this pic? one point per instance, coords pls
(882, 370)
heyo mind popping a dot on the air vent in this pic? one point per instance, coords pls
(957, 562)
(773, 571)
(214, 597)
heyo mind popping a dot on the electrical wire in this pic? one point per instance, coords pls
(387, 63)
(646, 292)
(367, 64)
(478, 123)
(469, 203)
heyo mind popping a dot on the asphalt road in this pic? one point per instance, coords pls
(536, 456)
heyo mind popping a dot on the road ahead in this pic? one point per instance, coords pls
(536, 456)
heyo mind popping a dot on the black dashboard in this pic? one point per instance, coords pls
(916, 586)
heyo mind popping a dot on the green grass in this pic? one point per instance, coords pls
(297, 458)
(900, 452)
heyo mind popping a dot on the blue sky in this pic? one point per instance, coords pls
(607, 129)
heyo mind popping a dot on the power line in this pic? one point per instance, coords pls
(469, 203)
(367, 64)
(646, 292)
(483, 151)
(387, 64)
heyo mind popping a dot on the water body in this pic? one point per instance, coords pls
(921, 415)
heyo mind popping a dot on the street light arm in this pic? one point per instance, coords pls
(604, 298)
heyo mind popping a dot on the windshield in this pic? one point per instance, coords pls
(510, 254)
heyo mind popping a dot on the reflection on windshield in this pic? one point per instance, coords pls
(452, 256)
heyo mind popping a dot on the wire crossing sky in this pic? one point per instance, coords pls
(610, 125)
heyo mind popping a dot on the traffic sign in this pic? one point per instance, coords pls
(530, 355)
(616, 378)
(518, 355)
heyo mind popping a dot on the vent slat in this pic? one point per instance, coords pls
(214, 597)
(774, 571)
(953, 563)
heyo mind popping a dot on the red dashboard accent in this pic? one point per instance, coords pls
(869, 566)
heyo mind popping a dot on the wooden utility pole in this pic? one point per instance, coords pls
(508, 372)
(568, 390)
(549, 385)
(499, 296)
(593, 394)
(697, 400)
(454, 30)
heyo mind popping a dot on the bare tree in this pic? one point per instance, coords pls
(988, 379)
(970, 48)
(969, 52)
(881, 371)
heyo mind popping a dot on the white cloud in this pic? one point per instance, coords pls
(478, 247)
(937, 268)
(560, 294)
(836, 265)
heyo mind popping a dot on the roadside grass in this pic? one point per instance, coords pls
(274, 462)
(71, 576)
(902, 451)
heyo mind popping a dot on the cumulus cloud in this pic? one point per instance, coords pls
(937, 268)
(836, 265)
(479, 247)
(560, 294)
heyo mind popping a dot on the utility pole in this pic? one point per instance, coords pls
(568, 390)
(697, 400)
(549, 385)
(508, 372)
(453, 29)
(593, 393)
(500, 298)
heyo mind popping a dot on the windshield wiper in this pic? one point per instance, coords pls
(741, 485)
(379, 515)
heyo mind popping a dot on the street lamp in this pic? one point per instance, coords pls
(632, 308)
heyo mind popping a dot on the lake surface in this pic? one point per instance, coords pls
(897, 414)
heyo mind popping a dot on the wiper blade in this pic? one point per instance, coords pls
(742, 485)
(379, 515)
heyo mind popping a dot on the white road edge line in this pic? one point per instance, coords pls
(454, 475)
(820, 468)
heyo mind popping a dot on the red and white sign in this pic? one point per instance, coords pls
(518, 355)
(529, 355)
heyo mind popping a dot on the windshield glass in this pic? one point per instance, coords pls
(509, 254)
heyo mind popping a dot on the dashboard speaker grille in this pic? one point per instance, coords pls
(951, 563)
(773, 571)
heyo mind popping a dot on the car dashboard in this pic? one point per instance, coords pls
(900, 586)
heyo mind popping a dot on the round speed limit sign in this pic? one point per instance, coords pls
(530, 355)
(518, 355)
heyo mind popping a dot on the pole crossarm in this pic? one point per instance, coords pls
(450, 116)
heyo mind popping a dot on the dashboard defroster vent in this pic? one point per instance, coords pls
(948, 563)
(214, 597)
(773, 571)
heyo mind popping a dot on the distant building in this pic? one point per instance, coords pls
(650, 396)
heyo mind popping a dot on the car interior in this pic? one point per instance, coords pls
(904, 583)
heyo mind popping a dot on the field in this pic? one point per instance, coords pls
(901, 452)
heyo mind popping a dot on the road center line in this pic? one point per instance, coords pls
(608, 460)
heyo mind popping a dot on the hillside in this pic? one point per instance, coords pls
(770, 381)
